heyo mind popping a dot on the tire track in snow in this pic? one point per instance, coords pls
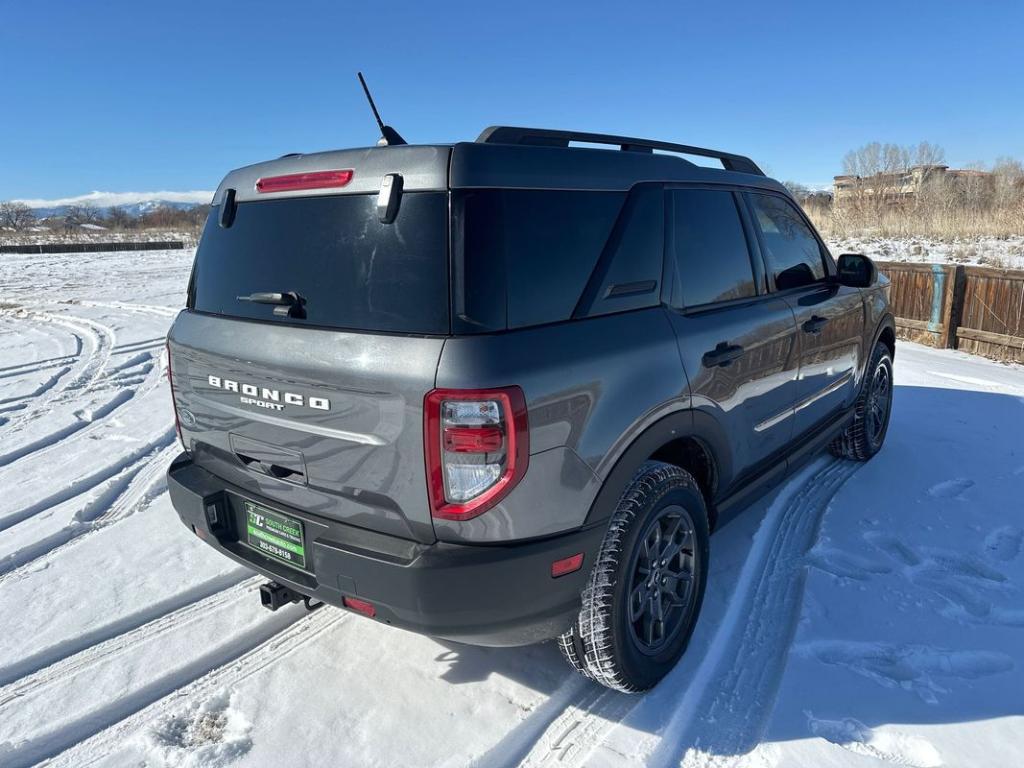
(83, 420)
(735, 684)
(139, 346)
(89, 420)
(724, 715)
(119, 644)
(36, 366)
(96, 342)
(129, 490)
(42, 388)
(82, 485)
(147, 309)
(95, 736)
(572, 720)
(61, 659)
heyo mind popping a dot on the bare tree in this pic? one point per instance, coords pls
(118, 217)
(884, 176)
(16, 216)
(77, 215)
(929, 154)
(800, 191)
(1008, 182)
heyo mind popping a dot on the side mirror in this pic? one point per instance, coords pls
(856, 271)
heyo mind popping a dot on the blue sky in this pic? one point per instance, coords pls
(144, 96)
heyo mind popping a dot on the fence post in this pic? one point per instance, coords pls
(953, 305)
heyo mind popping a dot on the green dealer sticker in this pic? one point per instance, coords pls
(275, 535)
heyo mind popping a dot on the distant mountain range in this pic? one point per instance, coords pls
(135, 203)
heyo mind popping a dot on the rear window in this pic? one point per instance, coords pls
(353, 271)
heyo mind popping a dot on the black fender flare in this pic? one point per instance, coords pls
(692, 423)
(887, 321)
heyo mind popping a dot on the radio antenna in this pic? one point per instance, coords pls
(388, 135)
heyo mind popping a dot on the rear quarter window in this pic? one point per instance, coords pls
(353, 271)
(524, 257)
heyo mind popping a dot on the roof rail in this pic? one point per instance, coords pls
(540, 137)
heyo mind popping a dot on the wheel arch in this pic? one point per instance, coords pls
(885, 332)
(887, 335)
(690, 439)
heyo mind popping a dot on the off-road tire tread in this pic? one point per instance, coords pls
(571, 645)
(594, 627)
(852, 443)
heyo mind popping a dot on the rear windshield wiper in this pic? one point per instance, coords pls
(287, 304)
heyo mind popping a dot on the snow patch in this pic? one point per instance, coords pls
(845, 565)
(209, 733)
(1006, 252)
(910, 667)
(1004, 543)
(888, 746)
(950, 489)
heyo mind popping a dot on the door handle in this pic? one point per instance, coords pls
(815, 324)
(722, 355)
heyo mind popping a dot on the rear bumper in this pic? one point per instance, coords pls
(482, 595)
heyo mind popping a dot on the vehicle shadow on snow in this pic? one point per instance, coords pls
(912, 608)
(912, 613)
(539, 667)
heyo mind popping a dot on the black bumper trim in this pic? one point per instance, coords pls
(496, 595)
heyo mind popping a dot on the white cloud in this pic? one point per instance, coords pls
(107, 199)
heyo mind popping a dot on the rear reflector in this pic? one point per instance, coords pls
(359, 606)
(566, 565)
(314, 180)
(473, 439)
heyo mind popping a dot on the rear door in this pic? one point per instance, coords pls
(317, 407)
(829, 317)
(737, 342)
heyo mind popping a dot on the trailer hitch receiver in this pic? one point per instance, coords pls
(274, 595)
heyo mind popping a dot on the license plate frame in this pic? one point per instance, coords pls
(274, 534)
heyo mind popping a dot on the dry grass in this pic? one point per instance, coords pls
(938, 223)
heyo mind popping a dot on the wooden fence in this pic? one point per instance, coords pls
(975, 309)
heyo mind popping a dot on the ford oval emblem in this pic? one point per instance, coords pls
(186, 417)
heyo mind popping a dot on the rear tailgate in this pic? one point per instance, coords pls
(316, 402)
(324, 421)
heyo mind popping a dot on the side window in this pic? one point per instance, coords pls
(628, 274)
(791, 250)
(712, 258)
(527, 253)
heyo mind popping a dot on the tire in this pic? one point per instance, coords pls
(865, 436)
(571, 646)
(617, 639)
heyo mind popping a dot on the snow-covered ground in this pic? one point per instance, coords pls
(863, 615)
(1002, 253)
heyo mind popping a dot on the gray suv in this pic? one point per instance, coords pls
(501, 391)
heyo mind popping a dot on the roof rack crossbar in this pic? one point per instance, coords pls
(541, 137)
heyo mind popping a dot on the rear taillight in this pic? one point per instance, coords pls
(476, 444)
(313, 180)
(174, 403)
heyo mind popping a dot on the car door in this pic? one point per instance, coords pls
(829, 317)
(736, 340)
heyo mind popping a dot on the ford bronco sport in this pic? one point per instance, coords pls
(500, 391)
